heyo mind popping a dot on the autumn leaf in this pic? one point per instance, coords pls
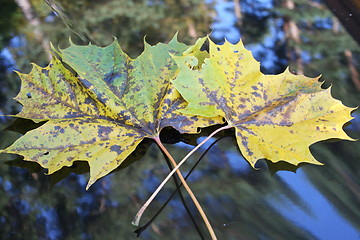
(276, 117)
(103, 111)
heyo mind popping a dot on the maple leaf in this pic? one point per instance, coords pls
(276, 117)
(104, 111)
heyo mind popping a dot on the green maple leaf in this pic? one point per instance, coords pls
(104, 111)
(276, 117)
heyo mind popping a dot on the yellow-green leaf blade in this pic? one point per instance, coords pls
(108, 93)
(170, 114)
(54, 92)
(290, 141)
(138, 89)
(275, 116)
(59, 143)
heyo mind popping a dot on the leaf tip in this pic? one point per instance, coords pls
(209, 39)
(90, 183)
(352, 139)
(70, 41)
(54, 51)
(175, 37)
(318, 77)
(18, 73)
(52, 47)
(315, 162)
(146, 44)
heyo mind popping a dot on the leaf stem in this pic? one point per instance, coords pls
(178, 185)
(143, 228)
(188, 189)
(147, 203)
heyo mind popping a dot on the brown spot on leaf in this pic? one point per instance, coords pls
(256, 94)
(116, 148)
(265, 97)
(86, 83)
(167, 101)
(104, 131)
(45, 71)
(285, 122)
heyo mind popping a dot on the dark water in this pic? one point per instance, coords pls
(315, 202)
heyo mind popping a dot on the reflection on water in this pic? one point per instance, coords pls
(241, 203)
(317, 215)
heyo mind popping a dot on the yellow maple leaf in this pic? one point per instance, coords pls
(276, 117)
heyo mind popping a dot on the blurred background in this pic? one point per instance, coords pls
(317, 202)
